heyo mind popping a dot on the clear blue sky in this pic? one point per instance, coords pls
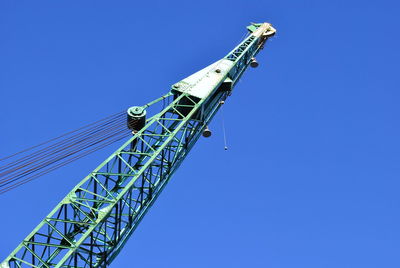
(311, 178)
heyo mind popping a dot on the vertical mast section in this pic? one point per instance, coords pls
(89, 227)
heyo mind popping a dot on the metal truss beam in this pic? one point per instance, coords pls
(90, 226)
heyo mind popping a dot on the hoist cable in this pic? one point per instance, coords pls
(44, 165)
(62, 142)
(31, 163)
(55, 156)
(223, 129)
(65, 134)
(50, 150)
(34, 176)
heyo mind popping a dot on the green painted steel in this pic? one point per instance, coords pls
(90, 226)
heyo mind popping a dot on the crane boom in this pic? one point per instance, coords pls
(90, 226)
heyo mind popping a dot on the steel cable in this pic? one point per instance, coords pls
(44, 150)
(30, 148)
(44, 165)
(34, 176)
(38, 160)
(63, 152)
(51, 150)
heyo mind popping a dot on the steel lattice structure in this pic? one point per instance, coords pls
(90, 226)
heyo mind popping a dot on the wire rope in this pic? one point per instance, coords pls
(36, 161)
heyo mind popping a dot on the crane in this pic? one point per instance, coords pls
(91, 225)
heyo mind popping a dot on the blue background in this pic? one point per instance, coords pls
(311, 177)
